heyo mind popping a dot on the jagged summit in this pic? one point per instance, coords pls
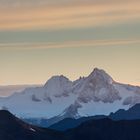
(101, 75)
(97, 87)
(61, 80)
(95, 94)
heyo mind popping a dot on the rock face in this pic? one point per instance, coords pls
(59, 98)
(98, 86)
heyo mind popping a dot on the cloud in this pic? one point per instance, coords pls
(68, 44)
(34, 3)
(72, 16)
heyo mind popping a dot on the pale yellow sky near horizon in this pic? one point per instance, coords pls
(39, 39)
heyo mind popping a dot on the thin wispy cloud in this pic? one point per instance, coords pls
(24, 3)
(92, 29)
(89, 15)
(68, 44)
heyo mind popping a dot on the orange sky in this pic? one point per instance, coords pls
(42, 38)
(68, 16)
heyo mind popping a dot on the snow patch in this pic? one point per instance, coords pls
(32, 129)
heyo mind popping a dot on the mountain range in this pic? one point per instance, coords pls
(132, 113)
(12, 128)
(60, 98)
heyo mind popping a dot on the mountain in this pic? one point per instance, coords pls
(131, 114)
(105, 129)
(70, 123)
(60, 98)
(12, 128)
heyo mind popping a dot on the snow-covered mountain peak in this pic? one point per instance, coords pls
(100, 75)
(95, 94)
(98, 86)
(57, 85)
(57, 79)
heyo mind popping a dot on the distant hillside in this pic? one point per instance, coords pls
(131, 114)
(12, 128)
(69, 123)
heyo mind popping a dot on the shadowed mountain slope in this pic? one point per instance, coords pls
(12, 128)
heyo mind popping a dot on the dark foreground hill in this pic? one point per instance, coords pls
(70, 123)
(12, 128)
(106, 129)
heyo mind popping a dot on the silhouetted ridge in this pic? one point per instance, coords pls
(106, 129)
(4, 114)
(12, 128)
(69, 123)
(130, 114)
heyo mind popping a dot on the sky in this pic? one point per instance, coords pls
(42, 38)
